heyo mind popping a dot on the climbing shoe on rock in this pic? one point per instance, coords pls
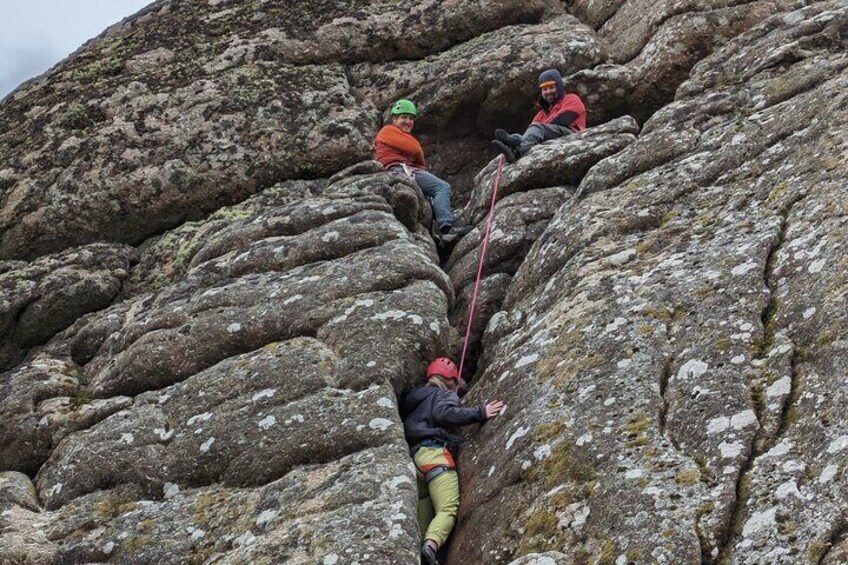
(511, 139)
(428, 555)
(508, 152)
(452, 234)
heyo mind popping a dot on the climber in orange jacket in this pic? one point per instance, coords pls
(399, 152)
(560, 114)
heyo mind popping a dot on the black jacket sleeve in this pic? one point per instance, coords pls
(448, 412)
(565, 119)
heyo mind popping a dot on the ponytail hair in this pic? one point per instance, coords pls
(442, 382)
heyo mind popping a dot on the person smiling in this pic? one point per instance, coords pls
(559, 114)
(399, 152)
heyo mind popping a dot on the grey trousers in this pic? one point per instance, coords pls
(537, 133)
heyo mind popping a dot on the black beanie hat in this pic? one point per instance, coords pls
(552, 75)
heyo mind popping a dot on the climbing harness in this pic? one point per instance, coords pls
(481, 261)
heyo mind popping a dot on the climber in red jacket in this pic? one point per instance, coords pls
(560, 114)
(399, 152)
(433, 413)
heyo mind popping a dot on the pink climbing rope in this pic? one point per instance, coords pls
(480, 262)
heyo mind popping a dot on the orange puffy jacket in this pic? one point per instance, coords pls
(393, 146)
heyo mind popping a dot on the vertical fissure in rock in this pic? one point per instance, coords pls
(664, 378)
(768, 320)
(840, 533)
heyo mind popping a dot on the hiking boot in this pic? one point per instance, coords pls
(511, 139)
(428, 555)
(508, 152)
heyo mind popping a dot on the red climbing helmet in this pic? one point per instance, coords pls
(444, 367)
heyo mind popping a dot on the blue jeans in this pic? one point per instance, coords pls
(438, 192)
(537, 133)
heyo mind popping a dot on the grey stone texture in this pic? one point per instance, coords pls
(211, 298)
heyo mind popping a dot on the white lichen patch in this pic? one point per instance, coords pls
(170, 490)
(817, 265)
(780, 387)
(385, 402)
(718, 425)
(809, 313)
(743, 268)
(789, 488)
(163, 434)
(331, 559)
(127, 439)
(330, 236)
(416, 319)
(692, 369)
(738, 360)
(395, 482)
(233, 328)
(760, 521)
(542, 452)
(267, 422)
(519, 433)
(634, 474)
(436, 327)
(827, 474)
(265, 517)
(780, 449)
(292, 299)
(526, 360)
(380, 424)
(264, 393)
(199, 418)
(743, 419)
(195, 533)
(389, 315)
(730, 450)
(370, 364)
(610, 401)
(838, 444)
(614, 325)
(584, 439)
(624, 363)
(206, 445)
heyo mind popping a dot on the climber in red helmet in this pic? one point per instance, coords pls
(559, 114)
(433, 412)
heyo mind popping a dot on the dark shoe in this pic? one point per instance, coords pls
(512, 139)
(428, 555)
(507, 151)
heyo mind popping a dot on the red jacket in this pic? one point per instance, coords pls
(568, 103)
(393, 146)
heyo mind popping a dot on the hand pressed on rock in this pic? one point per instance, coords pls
(493, 408)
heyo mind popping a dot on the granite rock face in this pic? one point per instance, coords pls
(212, 299)
(672, 346)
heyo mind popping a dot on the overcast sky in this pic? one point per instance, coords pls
(37, 34)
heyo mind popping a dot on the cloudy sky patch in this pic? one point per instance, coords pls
(37, 34)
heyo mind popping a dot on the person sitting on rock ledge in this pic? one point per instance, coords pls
(399, 152)
(432, 412)
(559, 114)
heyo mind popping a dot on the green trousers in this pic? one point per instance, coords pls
(438, 501)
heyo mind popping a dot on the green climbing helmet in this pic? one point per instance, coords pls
(404, 106)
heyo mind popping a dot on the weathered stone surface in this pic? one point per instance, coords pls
(670, 349)
(652, 46)
(305, 517)
(39, 299)
(673, 388)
